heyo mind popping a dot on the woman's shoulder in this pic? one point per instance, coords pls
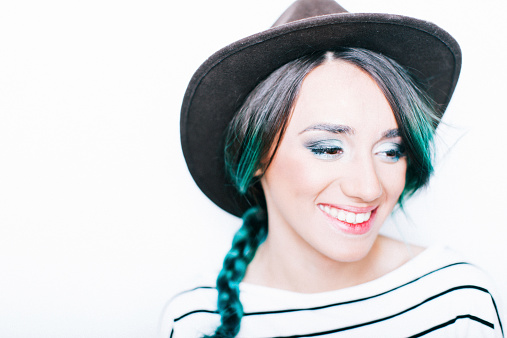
(444, 281)
(197, 301)
(436, 267)
(442, 262)
(199, 297)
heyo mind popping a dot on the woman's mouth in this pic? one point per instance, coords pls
(350, 222)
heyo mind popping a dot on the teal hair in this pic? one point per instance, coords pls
(244, 245)
(251, 134)
(254, 134)
(415, 112)
(258, 126)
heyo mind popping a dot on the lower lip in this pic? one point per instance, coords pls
(352, 229)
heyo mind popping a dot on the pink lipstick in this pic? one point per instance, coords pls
(351, 220)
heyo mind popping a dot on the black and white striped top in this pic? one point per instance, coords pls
(436, 294)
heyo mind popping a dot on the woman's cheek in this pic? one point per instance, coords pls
(302, 174)
(393, 176)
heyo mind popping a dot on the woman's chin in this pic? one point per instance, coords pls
(350, 252)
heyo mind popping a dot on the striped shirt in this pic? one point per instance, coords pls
(436, 294)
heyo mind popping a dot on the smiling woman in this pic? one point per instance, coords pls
(317, 176)
(341, 122)
(323, 138)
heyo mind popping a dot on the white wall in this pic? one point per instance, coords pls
(99, 219)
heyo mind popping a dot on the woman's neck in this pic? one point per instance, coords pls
(280, 265)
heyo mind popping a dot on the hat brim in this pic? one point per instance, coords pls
(220, 85)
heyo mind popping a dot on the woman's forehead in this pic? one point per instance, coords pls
(338, 92)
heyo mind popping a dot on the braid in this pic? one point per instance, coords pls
(244, 245)
(257, 126)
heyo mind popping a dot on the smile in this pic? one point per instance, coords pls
(346, 216)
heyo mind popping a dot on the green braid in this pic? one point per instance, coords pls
(244, 245)
(257, 126)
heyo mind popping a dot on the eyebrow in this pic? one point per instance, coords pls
(391, 133)
(342, 129)
(331, 128)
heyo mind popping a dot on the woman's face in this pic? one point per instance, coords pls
(339, 169)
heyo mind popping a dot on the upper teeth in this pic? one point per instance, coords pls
(346, 216)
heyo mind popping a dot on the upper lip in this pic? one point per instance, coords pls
(350, 208)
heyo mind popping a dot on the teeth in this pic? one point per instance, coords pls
(351, 218)
(367, 216)
(334, 212)
(327, 209)
(342, 215)
(346, 216)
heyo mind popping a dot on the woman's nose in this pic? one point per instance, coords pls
(362, 181)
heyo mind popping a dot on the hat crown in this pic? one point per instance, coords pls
(304, 9)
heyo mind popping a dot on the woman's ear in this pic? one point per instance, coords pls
(258, 173)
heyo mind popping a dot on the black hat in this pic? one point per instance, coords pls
(220, 85)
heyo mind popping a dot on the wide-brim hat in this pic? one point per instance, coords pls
(220, 85)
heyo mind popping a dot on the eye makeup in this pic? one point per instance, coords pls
(327, 149)
(390, 151)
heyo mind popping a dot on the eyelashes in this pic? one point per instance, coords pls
(326, 149)
(390, 152)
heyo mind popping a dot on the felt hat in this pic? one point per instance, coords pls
(220, 85)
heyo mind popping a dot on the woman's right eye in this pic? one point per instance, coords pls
(326, 150)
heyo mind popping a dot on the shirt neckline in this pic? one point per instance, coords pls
(400, 274)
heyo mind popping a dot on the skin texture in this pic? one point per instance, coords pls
(307, 250)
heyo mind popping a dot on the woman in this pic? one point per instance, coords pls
(314, 131)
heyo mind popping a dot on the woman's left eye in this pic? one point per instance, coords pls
(391, 152)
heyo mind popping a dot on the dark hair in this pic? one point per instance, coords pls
(261, 122)
(257, 128)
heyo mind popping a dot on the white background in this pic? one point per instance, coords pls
(99, 220)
